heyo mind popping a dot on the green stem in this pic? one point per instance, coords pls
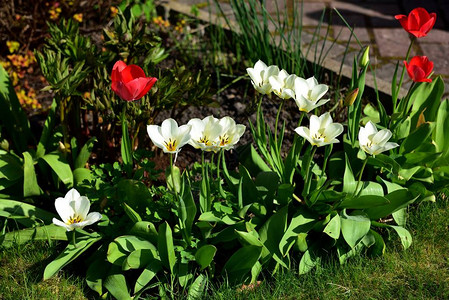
(360, 176)
(74, 238)
(402, 74)
(277, 121)
(173, 176)
(309, 172)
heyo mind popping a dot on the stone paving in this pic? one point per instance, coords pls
(374, 24)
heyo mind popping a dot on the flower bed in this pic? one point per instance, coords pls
(335, 189)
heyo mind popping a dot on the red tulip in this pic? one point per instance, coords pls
(418, 22)
(129, 82)
(419, 69)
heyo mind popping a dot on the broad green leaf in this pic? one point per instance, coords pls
(398, 199)
(378, 249)
(11, 168)
(354, 228)
(441, 125)
(146, 230)
(252, 161)
(47, 130)
(96, 273)
(147, 275)
(308, 262)
(205, 196)
(241, 262)
(267, 183)
(166, 247)
(362, 202)
(121, 247)
(82, 177)
(404, 234)
(176, 179)
(301, 222)
(140, 258)
(400, 216)
(131, 213)
(249, 238)
(84, 154)
(332, 228)
(60, 166)
(417, 137)
(30, 185)
(115, 283)
(197, 288)
(371, 188)
(135, 194)
(70, 253)
(48, 232)
(205, 255)
(14, 119)
(273, 230)
(10, 208)
(344, 252)
(249, 189)
(349, 182)
(187, 207)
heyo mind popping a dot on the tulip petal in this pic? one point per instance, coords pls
(120, 89)
(131, 72)
(382, 137)
(92, 217)
(116, 69)
(154, 132)
(64, 210)
(62, 224)
(82, 206)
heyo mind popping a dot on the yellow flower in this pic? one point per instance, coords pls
(78, 17)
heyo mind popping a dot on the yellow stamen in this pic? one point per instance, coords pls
(205, 141)
(74, 219)
(224, 140)
(170, 145)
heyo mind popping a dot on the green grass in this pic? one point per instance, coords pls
(421, 272)
(21, 271)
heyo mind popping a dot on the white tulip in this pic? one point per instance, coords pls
(322, 131)
(308, 93)
(230, 133)
(260, 75)
(73, 209)
(283, 84)
(169, 137)
(373, 141)
(205, 133)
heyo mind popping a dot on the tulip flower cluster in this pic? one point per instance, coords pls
(307, 93)
(208, 134)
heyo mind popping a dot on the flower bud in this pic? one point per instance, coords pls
(350, 98)
(364, 59)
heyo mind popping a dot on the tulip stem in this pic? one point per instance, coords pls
(173, 176)
(360, 177)
(402, 75)
(74, 238)
(277, 121)
(308, 164)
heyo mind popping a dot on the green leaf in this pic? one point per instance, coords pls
(126, 147)
(398, 199)
(147, 275)
(378, 249)
(363, 202)
(48, 232)
(205, 197)
(301, 222)
(404, 234)
(13, 117)
(249, 238)
(11, 168)
(70, 253)
(417, 138)
(205, 255)
(400, 216)
(95, 274)
(139, 258)
(354, 228)
(82, 177)
(241, 262)
(30, 185)
(332, 228)
(349, 182)
(10, 208)
(197, 288)
(84, 154)
(252, 161)
(115, 283)
(60, 166)
(441, 125)
(177, 179)
(308, 262)
(166, 247)
(47, 131)
(146, 230)
(132, 214)
(135, 194)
